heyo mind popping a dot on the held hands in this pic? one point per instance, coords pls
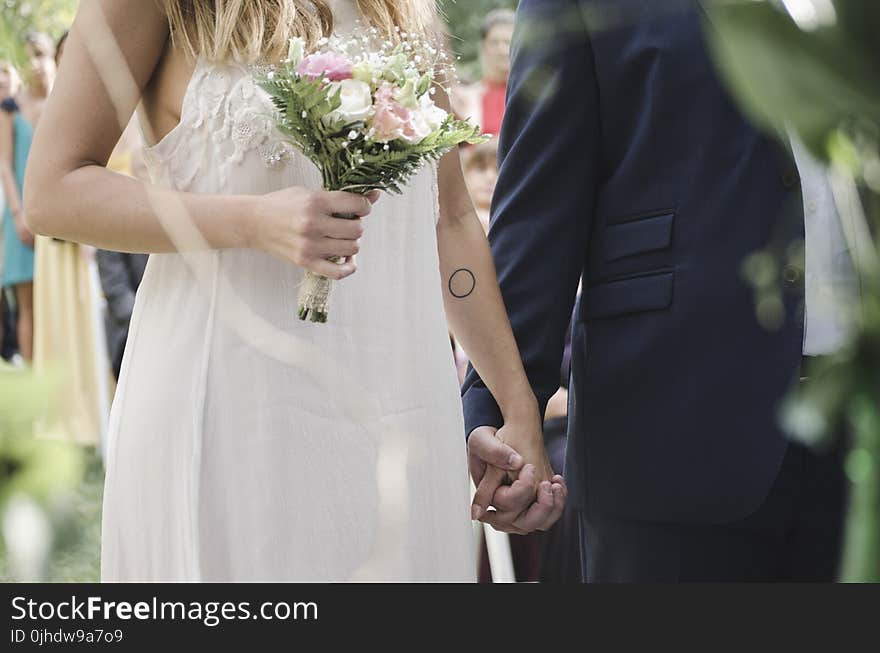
(297, 225)
(513, 474)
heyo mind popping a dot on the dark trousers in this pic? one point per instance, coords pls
(560, 547)
(8, 337)
(795, 535)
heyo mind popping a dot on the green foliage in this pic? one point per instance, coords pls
(40, 469)
(47, 473)
(823, 81)
(463, 18)
(76, 550)
(17, 17)
(817, 81)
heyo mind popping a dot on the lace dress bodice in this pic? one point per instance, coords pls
(226, 124)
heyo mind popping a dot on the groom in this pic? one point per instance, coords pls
(626, 164)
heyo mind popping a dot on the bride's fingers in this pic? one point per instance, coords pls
(338, 202)
(339, 228)
(492, 480)
(345, 248)
(335, 271)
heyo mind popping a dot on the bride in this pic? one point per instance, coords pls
(246, 445)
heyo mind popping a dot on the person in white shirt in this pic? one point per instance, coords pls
(832, 283)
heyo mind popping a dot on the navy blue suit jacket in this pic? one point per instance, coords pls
(625, 163)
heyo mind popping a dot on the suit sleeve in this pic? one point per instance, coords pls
(544, 200)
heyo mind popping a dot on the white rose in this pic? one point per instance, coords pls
(421, 129)
(296, 51)
(356, 99)
(433, 114)
(427, 119)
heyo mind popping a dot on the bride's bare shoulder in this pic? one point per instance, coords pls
(119, 37)
(162, 98)
(138, 30)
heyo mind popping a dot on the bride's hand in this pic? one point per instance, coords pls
(297, 225)
(535, 498)
(526, 436)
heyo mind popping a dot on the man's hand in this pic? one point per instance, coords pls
(533, 501)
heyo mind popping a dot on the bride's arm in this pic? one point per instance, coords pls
(110, 57)
(478, 319)
(474, 306)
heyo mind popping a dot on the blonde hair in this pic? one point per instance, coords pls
(259, 30)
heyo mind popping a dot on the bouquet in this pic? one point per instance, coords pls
(362, 110)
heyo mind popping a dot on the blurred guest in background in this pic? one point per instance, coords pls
(483, 102)
(9, 84)
(68, 337)
(9, 80)
(121, 273)
(17, 123)
(480, 166)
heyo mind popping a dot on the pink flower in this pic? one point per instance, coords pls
(392, 119)
(329, 65)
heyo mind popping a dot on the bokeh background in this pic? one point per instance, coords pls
(812, 66)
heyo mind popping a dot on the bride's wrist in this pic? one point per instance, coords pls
(520, 409)
(245, 222)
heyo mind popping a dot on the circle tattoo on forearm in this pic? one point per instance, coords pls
(462, 283)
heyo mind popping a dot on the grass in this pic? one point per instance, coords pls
(76, 558)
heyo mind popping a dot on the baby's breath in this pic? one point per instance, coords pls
(348, 154)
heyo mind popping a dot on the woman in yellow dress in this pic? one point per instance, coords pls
(68, 337)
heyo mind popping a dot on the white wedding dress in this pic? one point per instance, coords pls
(246, 445)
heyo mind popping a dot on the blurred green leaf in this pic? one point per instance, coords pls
(814, 81)
(40, 468)
(17, 17)
(821, 79)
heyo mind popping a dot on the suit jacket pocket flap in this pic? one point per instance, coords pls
(647, 293)
(637, 237)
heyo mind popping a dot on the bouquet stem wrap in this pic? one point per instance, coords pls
(315, 292)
